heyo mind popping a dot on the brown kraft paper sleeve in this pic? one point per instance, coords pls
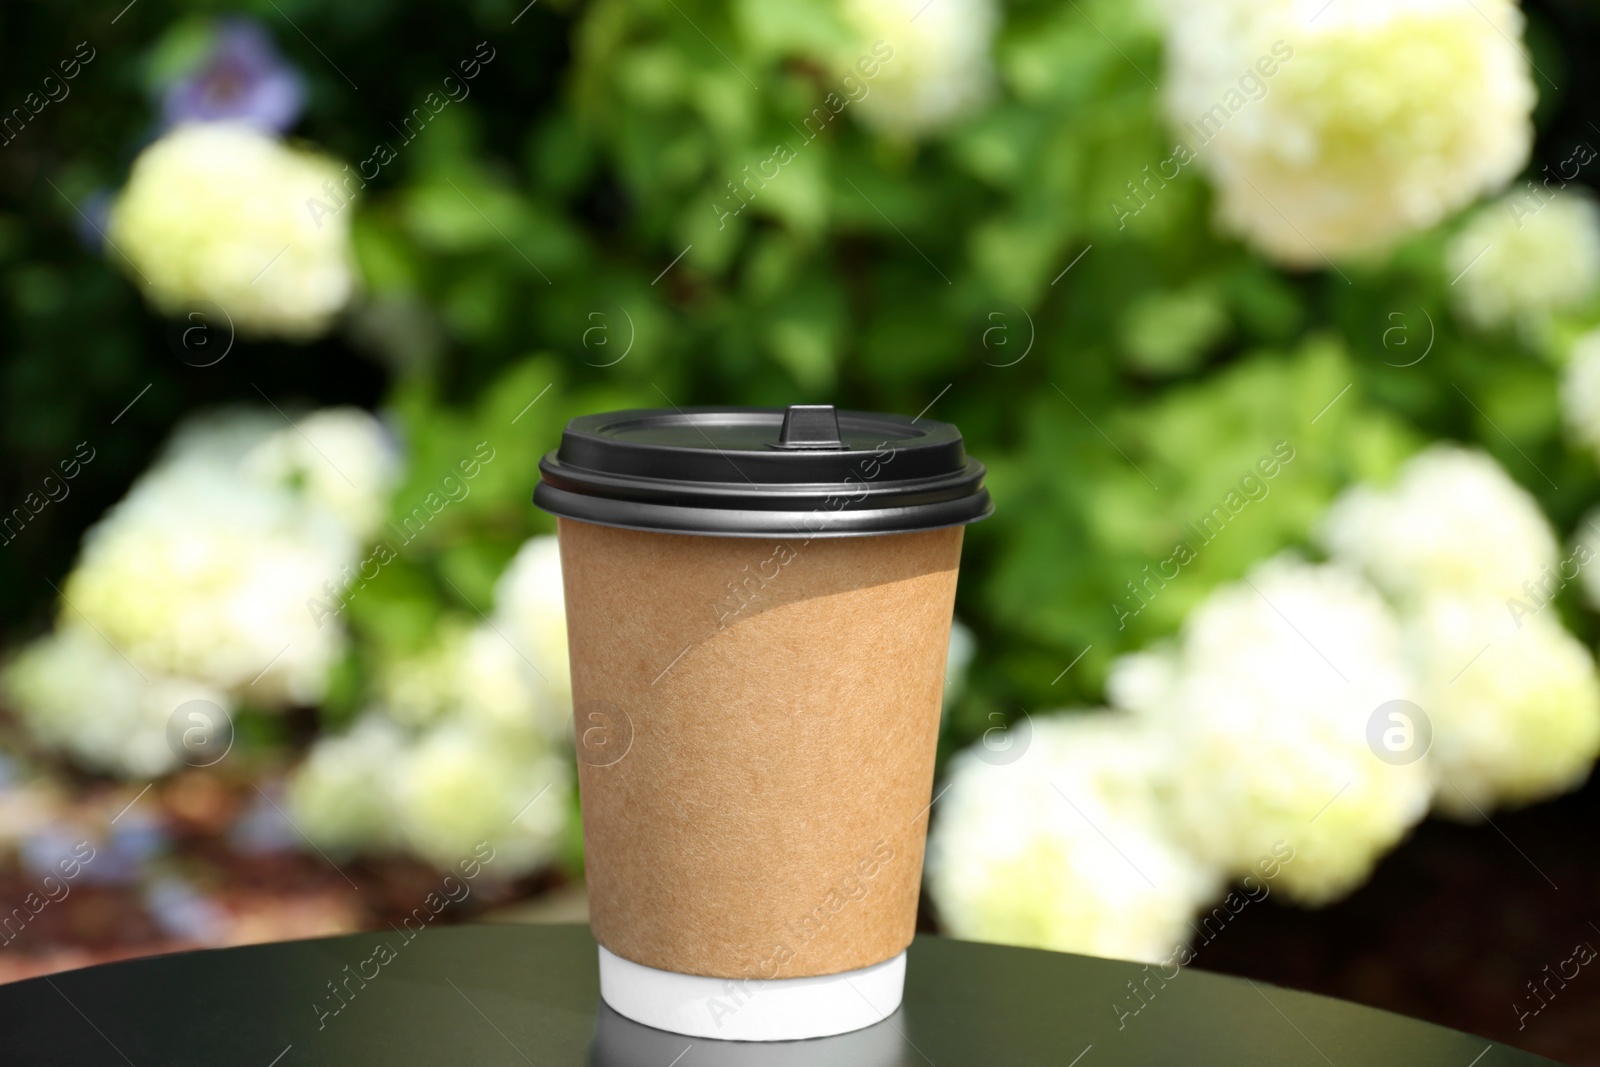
(756, 723)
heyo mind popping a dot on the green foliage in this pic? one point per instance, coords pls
(571, 238)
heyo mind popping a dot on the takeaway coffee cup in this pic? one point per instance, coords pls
(758, 612)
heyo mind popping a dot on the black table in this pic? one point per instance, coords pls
(519, 995)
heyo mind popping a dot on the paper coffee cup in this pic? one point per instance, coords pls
(758, 612)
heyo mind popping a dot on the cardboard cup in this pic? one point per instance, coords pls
(756, 722)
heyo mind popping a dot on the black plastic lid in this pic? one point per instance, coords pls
(762, 472)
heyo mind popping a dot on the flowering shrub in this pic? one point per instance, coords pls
(1285, 421)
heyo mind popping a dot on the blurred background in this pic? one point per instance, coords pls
(1271, 321)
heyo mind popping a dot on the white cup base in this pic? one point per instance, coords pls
(776, 1009)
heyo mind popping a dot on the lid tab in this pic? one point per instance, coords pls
(812, 426)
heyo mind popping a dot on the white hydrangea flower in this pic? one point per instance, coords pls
(1453, 521)
(1518, 260)
(208, 577)
(341, 458)
(208, 567)
(531, 610)
(423, 688)
(1580, 391)
(1380, 117)
(219, 440)
(339, 793)
(461, 784)
(73, 691)
(471, 733)
(1141, 681)
(435, 794)
(219, 212)
(472, 673)
(1514, 702)
(1265, 701)
(938, 68)
(1066, 848)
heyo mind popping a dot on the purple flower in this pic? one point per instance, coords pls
(242, 78)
